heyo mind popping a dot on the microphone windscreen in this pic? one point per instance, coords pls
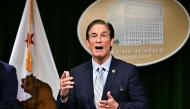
(121, 88)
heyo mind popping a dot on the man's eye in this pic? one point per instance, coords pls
(104, 35)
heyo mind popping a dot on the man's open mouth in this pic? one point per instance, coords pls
(98, 47)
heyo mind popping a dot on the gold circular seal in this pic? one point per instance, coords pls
(146, 31)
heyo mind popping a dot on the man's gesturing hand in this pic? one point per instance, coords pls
(65, 83)
(108, 104)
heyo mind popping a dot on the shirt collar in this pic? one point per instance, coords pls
(106, 64)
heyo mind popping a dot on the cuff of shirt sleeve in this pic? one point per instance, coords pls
(62, 100)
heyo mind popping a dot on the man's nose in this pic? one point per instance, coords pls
(98, 39)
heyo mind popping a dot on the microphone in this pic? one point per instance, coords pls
(121, 90)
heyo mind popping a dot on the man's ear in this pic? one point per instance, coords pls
(87, 42)
(112, 42)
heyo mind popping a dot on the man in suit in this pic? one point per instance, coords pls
(8, 86)
(122, 88)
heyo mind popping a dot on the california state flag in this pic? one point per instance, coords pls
(31, 55)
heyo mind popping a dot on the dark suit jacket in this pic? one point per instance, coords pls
(8, 86)
(133, 95)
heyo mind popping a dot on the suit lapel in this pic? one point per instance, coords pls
(110, 78)
(89, 82)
